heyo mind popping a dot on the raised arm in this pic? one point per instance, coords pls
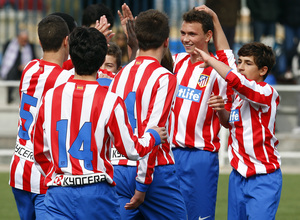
(127, 23)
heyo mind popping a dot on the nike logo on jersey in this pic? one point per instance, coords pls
(189, 93)
(234, 115)
(203, 218)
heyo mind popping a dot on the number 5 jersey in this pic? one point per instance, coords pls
(38, 77)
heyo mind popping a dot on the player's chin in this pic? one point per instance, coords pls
(189, 50)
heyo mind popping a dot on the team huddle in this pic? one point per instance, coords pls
(142, 141)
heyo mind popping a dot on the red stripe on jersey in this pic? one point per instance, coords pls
(75, 124)
(27, 172)
(13, 168)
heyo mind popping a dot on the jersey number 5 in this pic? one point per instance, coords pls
(83, 139)
(26, 116)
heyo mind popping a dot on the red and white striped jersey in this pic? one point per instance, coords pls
(75, 125)
(252, 145)
(38, 77)
(197, 125)
(149, 92)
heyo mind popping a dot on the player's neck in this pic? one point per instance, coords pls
(155, 53)
(86, 77)
(54, 57)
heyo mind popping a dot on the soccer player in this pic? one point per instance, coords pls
(149, 188)
(75, 124)
(37, 78)
(255, 182)
(196, 142)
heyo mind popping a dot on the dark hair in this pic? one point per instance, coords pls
(263, 55)
(152, 29)
(115, 51)
(201, 17)
(93, 12)
(52, 30)
(88, 48)
(68, 19)
(167, 60)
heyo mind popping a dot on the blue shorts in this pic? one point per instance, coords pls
(163, 199)
(93, 201)
(30, 205)
(198, 173)
(256, 197)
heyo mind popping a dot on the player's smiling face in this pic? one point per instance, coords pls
(248, 68)
(192, 36)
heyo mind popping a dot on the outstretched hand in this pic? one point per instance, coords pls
(102, 25)
(202, 56)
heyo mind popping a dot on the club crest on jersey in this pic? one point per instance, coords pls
(189, 93)
(138, 62)
(234, 116)
(203, 80)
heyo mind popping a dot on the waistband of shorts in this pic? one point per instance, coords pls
(77, 180)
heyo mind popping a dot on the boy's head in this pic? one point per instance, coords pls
(113, 58)
(196, 30)
(152, 29)
(255, 60)
(92, 13)
(88, 48)
(52, 31)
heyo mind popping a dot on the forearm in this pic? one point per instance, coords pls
(219, 66)
(220, 40)
(223, 117)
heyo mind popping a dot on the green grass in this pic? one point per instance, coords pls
(289, 207)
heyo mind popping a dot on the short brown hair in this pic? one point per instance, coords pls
(201, 17)
(152, 29)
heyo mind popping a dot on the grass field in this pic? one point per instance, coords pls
(289, 207)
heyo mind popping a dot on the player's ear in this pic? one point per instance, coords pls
(166, 43)
(66, 41)
(208, 35)
(263, 71)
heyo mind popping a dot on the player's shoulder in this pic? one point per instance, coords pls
(180, 56)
